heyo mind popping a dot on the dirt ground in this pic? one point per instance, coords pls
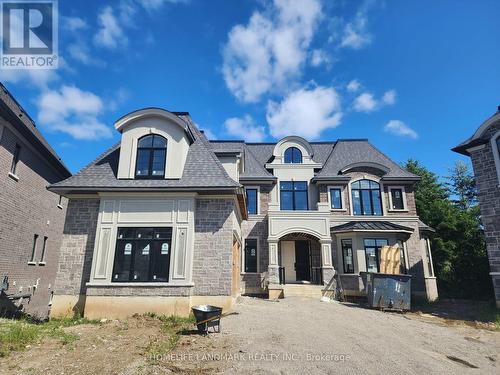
(292, 336)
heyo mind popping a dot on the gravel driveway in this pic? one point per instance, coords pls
(306, 336)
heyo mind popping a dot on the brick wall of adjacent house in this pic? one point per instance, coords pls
(77, 246)
(212, 258)
(28, 208)
(489, 199)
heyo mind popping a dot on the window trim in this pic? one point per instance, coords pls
(403, 193)
(376, 252)
(254, 187)
(293, 195)
(428, 256)
(342, 202)
(382, 199)
(243, 255)
(33, 250)
(343, 256)
(149, 176)
(44, 250)
(59, 205)
(15, 161)
(496, 154)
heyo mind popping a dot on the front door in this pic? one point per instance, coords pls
(288, 260)
(302, 264)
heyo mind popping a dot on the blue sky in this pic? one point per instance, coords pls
(415, 77)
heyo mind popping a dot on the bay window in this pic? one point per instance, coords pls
(372, 253)
(142, 255)
(347, 256)
(293, 195)
(366, 198)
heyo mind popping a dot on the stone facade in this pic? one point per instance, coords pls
(487, 182)
(77, 247)
(212, 260)
(28, 209)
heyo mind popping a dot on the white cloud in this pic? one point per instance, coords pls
(353, 85)
(110, 34)
(80, 52)
(355, 33)
(72, 111)
(389, 97)
(271, 49)
(398, 127)
(151, 5)
(74, 23)
(209, 134)
(305, 112)
(40, 78)
(319, 57)
(365, 103)
(245, 128)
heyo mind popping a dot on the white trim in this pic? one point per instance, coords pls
(496, 153)
(403, 192)
(254, 187)
(15, 177)
(342, 198)
(482, 128)
(378, 166)
(494, 273)
(242, 271)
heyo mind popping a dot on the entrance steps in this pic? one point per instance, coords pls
(303, 290)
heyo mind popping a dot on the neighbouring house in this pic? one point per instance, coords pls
(166, 219)
(483, 147)
(31, 217)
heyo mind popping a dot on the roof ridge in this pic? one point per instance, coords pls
(390, 160)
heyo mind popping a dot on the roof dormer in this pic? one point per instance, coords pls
(154, 145)
(293, 150)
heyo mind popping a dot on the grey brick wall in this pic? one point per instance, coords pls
(487, 182)
(77, 246)
(150, 291)
(28, 208)
(212, 260)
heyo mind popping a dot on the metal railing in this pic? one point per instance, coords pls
(316, 275)
(281, 273)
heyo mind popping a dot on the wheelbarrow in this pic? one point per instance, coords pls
(207, 316)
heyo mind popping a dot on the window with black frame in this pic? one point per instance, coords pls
(142, 255)
(366, 198)
(293, 195)
(335, 198)
(251, 201)
(372, 253)
(251, 255)
(397, 198)
(293, 155)
(347, 256)
(151, 157)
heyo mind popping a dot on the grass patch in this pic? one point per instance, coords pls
(17, 335)
(171, 328)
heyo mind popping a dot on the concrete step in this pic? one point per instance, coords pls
(302, 290)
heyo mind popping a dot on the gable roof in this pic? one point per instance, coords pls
(18, 117)
(202, 171)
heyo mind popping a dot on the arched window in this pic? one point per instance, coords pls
(366, 198)
(151, 157)
(293, 155)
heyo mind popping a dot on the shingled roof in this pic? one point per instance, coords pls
(18, 117)
(202, 171)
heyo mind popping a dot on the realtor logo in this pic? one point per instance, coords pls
(29, 34)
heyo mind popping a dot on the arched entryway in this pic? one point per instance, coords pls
(299, 259)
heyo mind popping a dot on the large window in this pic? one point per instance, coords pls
(142, 255)
(293, 195)
(366, 198)
(347, 256)
(151, 157)
(335, 198)
(251, 255)
(372, 253)
(252, 201)
(293, 155)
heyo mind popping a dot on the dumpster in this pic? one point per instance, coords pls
(391, 292)
(207, 316)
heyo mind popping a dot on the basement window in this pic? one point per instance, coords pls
(142, 255)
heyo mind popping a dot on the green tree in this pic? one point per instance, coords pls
(462, 186)
(458, 244)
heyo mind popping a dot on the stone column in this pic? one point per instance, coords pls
(273, 268)
(326, 262)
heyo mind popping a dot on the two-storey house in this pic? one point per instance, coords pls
(167, 219)
(31, 217)
(483, 147)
